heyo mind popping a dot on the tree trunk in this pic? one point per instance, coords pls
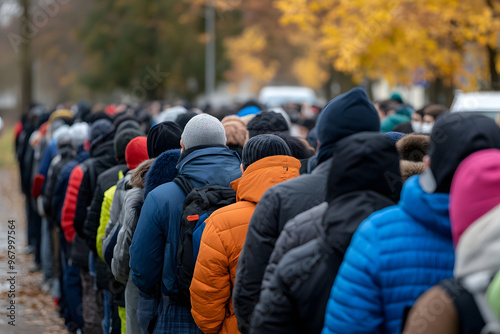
(439, 93)
(26, 62)
(494, 78)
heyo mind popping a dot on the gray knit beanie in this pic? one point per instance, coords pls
(203, 130)
(262, 146)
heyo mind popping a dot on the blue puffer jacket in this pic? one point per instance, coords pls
(395, 255)
(154, 245)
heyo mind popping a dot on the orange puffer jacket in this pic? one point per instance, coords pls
(222, 241)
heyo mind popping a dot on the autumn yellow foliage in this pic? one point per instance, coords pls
(395, 39)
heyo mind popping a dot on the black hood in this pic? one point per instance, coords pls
(365, 161)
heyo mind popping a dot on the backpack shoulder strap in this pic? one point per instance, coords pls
(470, 318)
(184, 183)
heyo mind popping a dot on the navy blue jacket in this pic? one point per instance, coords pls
(154, 245)
(394, 256)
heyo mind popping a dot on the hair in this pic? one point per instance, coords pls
(435, 110)
(387, 105)
(122, 117)
(297, 146)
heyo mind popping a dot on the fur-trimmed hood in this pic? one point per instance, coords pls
(162, 170)
(410, 168)
(413, 147)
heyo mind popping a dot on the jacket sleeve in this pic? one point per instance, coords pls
(148, 246)
(285, 242)
(104, 219)
(263, 231)
(91, 223)
(355, 303)
(121, 256)
(211, 285)
(68, 211)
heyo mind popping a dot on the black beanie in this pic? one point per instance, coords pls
(347, 114)
(267, 122)
(128, 124)
(184, 118)
(262, 146)
(122, 139)
(163, 137)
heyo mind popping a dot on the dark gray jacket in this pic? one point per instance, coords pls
(277, 206)
(298, 231)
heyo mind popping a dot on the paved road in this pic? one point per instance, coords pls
(35, 310)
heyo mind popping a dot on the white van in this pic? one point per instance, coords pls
(484, 103)
(275, 96)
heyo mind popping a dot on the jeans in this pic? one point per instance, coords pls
(107, 311)
(73, 296)
(46, 250)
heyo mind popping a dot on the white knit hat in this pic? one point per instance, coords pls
(203, 130)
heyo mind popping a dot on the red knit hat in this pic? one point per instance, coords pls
(475, 190)
(136, 152)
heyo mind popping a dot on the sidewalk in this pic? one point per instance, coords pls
(35, 311)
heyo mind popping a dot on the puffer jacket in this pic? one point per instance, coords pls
(222, 240)
(293, 299)
(154, 245)
(111, 211)
(134, 199)
(298, 231)
(105, 180)
(278, 205)
(394, 257)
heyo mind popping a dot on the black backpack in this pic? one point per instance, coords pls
(199, 204)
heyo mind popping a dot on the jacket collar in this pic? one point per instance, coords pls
(211, 165)
(262, 175)
(430, 210)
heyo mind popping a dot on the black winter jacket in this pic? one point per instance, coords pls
(105, 180)
(65, 155)
(294, 298)
(277, 206)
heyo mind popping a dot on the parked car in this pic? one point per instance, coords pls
(485, 103)
(274, 96)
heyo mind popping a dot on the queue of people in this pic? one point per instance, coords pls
(366, 218)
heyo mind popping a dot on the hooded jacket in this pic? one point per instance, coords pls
(133, 202)
(345, 115)
(293, 300)
(474, 210)
(394, 256)
(155, 241)
(278, 205)
(222, 240)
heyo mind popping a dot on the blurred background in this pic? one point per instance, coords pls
(222, 52)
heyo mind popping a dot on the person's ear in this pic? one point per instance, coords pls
(182, 147)
(427, 162)
(242, 169)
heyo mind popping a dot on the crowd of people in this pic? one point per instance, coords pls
(359, 217)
